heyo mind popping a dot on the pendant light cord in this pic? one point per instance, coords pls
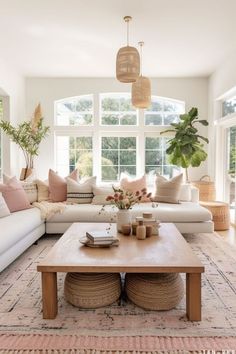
(141, 57)
(127, 33)
(127, 19)
(141, 60)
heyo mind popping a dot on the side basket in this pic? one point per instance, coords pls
(206, 188)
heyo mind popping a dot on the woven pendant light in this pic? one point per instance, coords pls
(127, 60)
(141, 89)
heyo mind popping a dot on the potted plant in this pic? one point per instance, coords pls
(28, 136)
(185, 148)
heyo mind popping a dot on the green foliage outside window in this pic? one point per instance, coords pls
(232, 151)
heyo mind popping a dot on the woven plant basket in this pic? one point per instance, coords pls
(92, 290)
(154, 291)
(206, 188)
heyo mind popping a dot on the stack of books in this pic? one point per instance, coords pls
(101, 238)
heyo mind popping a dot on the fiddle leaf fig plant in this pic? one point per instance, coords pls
(186, 148)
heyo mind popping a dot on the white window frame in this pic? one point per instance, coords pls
(107, 112)
(97, 130)
(1, 138)
(84, 112)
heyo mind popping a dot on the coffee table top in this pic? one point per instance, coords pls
(168, 252)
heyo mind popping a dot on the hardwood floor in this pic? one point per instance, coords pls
(229, 235)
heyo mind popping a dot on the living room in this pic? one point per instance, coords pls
(101, 142)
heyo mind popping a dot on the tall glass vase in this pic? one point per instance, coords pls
(123, 216)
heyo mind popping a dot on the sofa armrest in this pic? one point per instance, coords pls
(194, 194)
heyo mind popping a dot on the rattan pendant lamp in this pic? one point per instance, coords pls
(127, 60)
(141, 89)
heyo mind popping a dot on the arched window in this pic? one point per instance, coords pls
(75, 111)
(104, 135)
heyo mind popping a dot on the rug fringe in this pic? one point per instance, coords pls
(61, 344)
(94, 351)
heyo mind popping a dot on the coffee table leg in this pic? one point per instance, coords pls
(193, 296)
(49, 295)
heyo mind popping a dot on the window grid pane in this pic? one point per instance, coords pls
(156, 160)
(116, 109)
(229, 106)
(120, 158)
(75, 111)
(74, 152)
(163, 112)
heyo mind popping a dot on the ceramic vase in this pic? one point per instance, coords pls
(123, 216)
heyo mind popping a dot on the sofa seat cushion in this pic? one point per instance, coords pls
(183, 212)
(17, 225)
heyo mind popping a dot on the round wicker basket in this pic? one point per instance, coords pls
(206, 188)
(220, 214)
(92, 290)
(154, 291)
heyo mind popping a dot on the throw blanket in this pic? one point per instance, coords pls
(48, 209)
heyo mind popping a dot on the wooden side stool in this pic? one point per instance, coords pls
(220, 214)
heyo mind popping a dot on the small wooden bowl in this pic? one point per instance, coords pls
(126, 229)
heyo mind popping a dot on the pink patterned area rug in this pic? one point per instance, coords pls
(122, 323)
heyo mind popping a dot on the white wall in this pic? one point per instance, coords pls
(194, 91)
(12, 89)
(222, 83)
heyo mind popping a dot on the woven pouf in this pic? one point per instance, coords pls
(220, 214)
(154, 291)
(92, 290)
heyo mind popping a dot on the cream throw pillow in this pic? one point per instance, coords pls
(167, 191)
(101, 193)
(43, 190)
(31, 190)
(80, 193)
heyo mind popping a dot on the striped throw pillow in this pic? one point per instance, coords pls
(80, 192)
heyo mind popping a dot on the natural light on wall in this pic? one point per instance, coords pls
(1, 116)
(111, 136)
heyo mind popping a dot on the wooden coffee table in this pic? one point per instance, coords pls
(166, 253)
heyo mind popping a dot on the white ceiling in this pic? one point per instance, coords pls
(75, 38)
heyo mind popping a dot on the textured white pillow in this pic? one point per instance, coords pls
(4, 211)
(80, 192)
(43, 190)
(100, 194)
(31, 190)
(168, 191)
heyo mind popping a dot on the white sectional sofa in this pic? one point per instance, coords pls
(21, 229)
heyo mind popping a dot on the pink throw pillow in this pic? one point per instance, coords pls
(134, 185)
(14, 195)
(58, 185)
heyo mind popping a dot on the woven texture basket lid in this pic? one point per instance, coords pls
(92, 290)
(154, 291)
